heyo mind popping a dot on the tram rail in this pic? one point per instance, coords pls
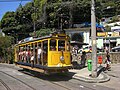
(5, 85)
(15, 79)
(69, 85)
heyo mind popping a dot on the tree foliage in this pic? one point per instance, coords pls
(8, 20)
(43, 32)
(51, 13)
(45, 15)
(6, 50)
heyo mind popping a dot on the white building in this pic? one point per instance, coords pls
(108, 39)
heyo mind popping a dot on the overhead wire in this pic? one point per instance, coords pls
(13, 0)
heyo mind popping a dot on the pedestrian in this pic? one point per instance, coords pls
(74, 53)
(108, 62)
(83, 59)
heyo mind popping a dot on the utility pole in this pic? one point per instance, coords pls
(61, 22)
(93, 37)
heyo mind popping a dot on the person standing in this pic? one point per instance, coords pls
(108, 61)
(83, 59)
(32, 59)
(39, 55)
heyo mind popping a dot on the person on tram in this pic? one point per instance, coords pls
(32, 59)
(39, 54)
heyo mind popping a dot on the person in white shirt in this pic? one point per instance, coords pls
(32, 59)
(39, 54)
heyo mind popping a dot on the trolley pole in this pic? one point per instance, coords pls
(93, 37)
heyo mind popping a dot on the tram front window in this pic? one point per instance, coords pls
(52, 45)
(61, 45)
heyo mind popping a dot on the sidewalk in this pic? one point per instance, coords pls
(84, 75)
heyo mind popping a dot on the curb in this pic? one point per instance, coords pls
(93, 80)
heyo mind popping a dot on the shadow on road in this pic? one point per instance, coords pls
(52, 77)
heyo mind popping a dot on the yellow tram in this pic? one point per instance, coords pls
(48, 54)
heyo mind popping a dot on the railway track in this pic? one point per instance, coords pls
(73, 85)
(7, 87)
(64, 82)
(43, 77)
(61, 84)
(31, 74)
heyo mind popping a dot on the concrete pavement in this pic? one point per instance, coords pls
(85, 75)
(114, 77)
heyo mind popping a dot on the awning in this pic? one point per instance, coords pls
(115, 29)
(109, 41)
(77, 42)
(116, 48)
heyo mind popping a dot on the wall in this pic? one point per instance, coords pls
(114, 57)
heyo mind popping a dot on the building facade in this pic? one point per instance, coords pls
(105, 40)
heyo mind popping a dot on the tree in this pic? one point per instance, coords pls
(42, 32)
(14, 23)
(51, 13)
(8, 21)
(6, 54)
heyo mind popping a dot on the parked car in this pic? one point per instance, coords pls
(116, 49)
(87, 49)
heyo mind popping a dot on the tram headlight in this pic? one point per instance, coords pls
(62, 58)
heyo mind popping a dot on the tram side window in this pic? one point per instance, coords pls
(61, 45)
(39, 45)
(21, 53)
(31, 49)
(35, 51)
(52, 45)
(45, 50)
(17, 52)
(45, 46)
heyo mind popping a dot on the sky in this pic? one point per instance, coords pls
(10, 6)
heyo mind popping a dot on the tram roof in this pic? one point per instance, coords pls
(39, 38)
(34, 39)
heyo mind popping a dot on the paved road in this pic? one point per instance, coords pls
(115, 77)
(14, 78)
